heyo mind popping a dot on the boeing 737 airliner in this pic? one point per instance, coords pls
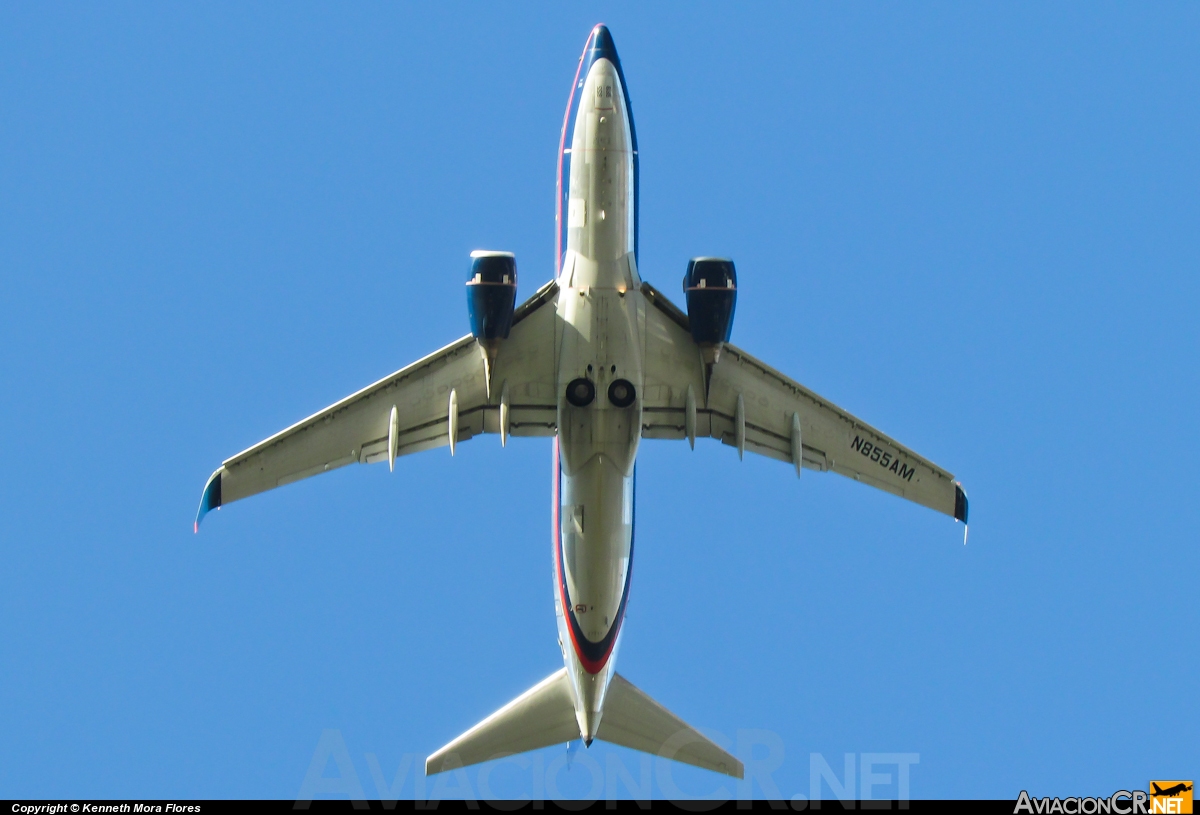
(597, 359)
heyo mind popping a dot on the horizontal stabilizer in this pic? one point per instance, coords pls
(632, 719)
(539, 717)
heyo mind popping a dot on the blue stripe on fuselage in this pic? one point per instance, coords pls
(599, 45)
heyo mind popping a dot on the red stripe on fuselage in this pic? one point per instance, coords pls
(562, 145)
(590, 665)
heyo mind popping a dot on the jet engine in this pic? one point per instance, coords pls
(491, 296)
(710, 286)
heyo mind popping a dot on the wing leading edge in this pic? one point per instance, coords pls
(417, 408)
(751, 406)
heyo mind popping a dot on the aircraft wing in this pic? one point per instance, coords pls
(358, 429)
(755, 408)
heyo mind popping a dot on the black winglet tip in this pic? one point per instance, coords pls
(960, 503)
(210, 499)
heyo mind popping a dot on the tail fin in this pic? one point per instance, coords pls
(632, 719)
(545, 715)
(539, 717)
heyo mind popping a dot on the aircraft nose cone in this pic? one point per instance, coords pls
(602, 37)
(602, 44)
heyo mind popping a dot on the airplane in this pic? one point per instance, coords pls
(597, 359)
(1182, 786)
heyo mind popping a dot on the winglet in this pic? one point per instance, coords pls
(960, 508)
(211, 499)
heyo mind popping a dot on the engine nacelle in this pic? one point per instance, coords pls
(710, 286)
(491, 294)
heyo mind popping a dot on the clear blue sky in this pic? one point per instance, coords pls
(976, 226)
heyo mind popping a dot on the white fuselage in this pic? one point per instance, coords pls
(601, 310)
